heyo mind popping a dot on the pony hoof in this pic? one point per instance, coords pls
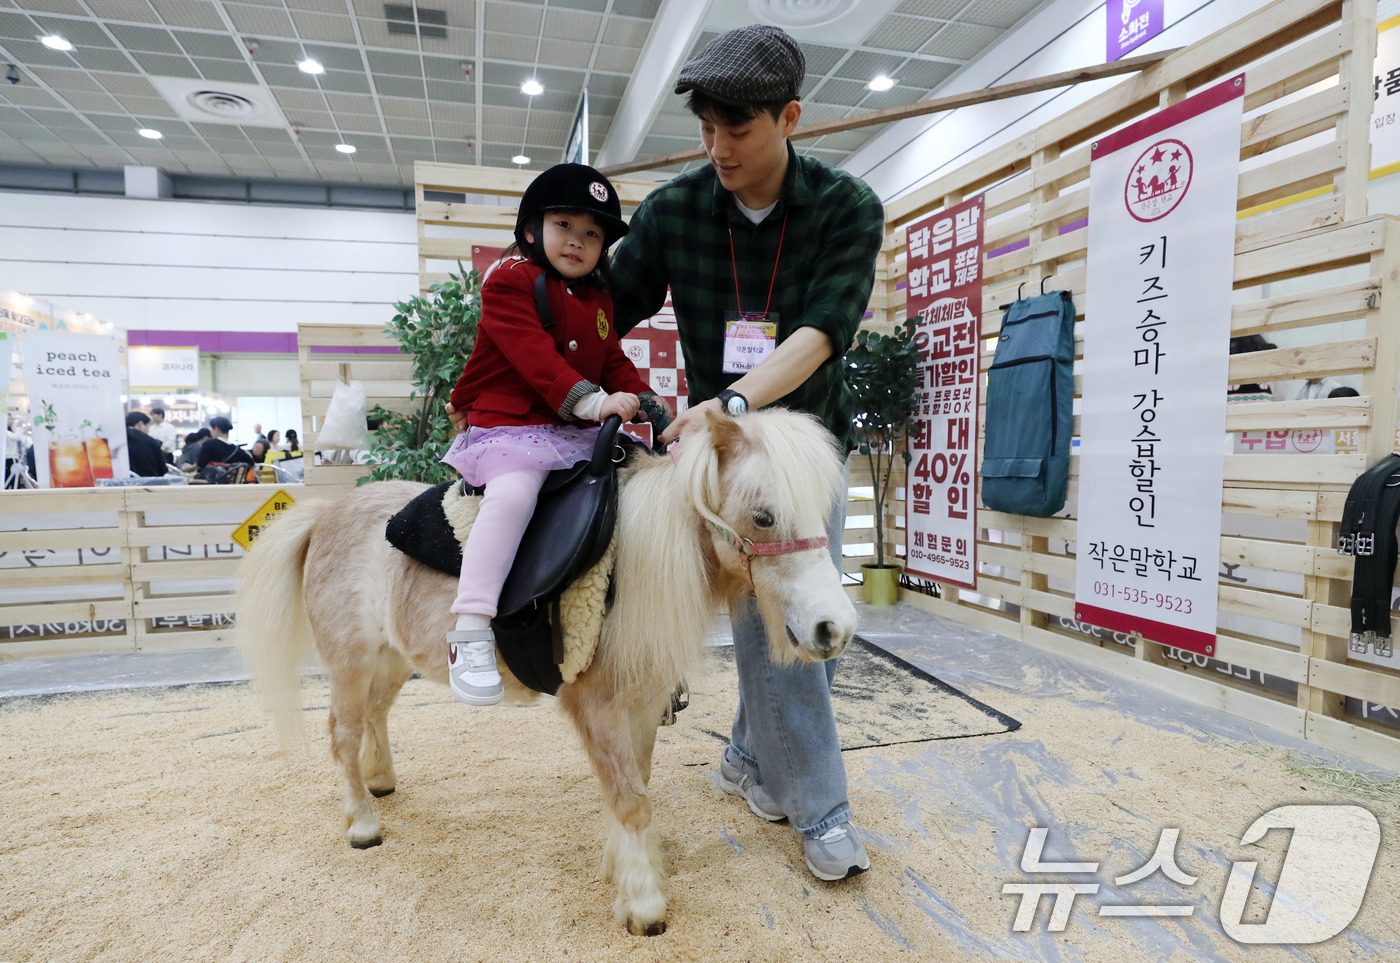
(367, 843)
(637, 928)
(381, 793)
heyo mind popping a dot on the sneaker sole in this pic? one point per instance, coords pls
(471, 699)
(733, 789)
(855, 870)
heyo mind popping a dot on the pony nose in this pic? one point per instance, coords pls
(830, 639)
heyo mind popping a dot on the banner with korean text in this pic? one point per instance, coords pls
(1385, 115)
(1162, 198)
(945, 296)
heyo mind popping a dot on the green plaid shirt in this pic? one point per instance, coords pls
(680, 238)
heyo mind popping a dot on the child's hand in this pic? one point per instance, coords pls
(619, 403)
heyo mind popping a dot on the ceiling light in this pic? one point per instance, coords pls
(881, 83)
(309, 66)
(54, 42)
(150, 133)
(532, 87)
(520, 159)
(345, 148)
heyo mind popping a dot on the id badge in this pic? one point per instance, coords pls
(748, 339)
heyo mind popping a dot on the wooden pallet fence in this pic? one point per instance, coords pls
(122, 569)
(1282, 653)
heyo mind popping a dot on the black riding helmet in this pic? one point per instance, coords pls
(572, 187)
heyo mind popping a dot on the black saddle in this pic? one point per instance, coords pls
(569, 532)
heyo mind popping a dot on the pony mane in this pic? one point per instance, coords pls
(666, 599)
(796, 474)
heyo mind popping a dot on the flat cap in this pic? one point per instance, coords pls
(750, 65)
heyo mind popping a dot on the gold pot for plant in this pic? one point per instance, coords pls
(880, 585)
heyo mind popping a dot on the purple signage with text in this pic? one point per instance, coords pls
(1132, 23)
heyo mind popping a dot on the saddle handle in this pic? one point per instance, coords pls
(602, 461)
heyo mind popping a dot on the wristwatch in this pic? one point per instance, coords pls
(733, 402)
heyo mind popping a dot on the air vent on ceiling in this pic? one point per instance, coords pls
(405, 18)
(800, 13)
(223, 104)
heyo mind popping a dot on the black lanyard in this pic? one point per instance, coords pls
(735, 263)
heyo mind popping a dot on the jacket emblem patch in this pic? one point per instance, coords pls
(602, 325)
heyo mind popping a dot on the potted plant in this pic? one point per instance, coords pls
(438, 332)
(883, 373)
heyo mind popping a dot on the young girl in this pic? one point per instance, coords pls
(528, 392)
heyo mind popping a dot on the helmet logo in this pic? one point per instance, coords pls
(599, 191)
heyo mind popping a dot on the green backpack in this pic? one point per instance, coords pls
(1030, 408)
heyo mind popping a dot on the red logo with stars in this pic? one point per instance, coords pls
(1158, 180)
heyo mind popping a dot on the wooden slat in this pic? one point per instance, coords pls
(62, 575)
(1317, 413)
(1338, 302)
(167, 605)
(505, 182)
(1383, 749)
(1301, 469)
(484, 216)
(343, 336)
(184, 568)
(63, 538)
(1291, 175)
(1311, 360)
(36, 612)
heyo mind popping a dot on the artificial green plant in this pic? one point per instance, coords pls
(883, 373)
(438, 332)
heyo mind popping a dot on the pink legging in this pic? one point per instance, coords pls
(495, 536)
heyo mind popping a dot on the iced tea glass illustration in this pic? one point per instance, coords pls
(68, 463)
(99, 455)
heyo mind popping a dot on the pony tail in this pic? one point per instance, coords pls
(273, 630)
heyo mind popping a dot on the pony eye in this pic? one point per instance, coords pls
(762, 518)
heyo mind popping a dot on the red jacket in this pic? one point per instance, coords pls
(521, 374)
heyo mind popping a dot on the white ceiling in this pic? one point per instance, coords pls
(427, 91)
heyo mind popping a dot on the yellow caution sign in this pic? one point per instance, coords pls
(248, 532)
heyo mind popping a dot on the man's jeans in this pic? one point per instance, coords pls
(784, 734)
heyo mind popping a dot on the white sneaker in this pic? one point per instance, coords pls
(471, 667)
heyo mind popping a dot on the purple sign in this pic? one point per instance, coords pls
(1132, 23)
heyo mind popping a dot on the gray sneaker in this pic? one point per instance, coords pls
(736, 782)
(471, 667)
(836, 854)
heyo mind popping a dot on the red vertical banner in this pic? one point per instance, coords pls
(944, 263)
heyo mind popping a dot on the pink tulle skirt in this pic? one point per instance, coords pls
(482, 454)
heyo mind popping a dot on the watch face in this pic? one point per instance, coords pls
(736, 406)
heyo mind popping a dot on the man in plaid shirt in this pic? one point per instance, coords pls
(762, 231)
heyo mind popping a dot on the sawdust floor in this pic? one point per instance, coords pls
(163, 824)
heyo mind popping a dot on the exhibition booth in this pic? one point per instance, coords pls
(1218, 194)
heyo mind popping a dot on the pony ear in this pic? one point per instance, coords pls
(726, 437)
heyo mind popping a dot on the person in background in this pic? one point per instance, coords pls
(258, 433)
(293, 445)
(14, 442)
(1317, 388)
(163, 432)
(1247, 344)
(143, 453)
(217, 447)
(1343, 392)
(273, 437)
(259, 451)
(190, 453)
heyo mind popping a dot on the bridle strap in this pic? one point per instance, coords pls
(786, 548)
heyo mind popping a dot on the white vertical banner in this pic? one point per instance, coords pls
(1162, 198)
(75, 385)
(1385, 115)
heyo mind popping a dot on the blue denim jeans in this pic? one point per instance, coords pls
(784, 734)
